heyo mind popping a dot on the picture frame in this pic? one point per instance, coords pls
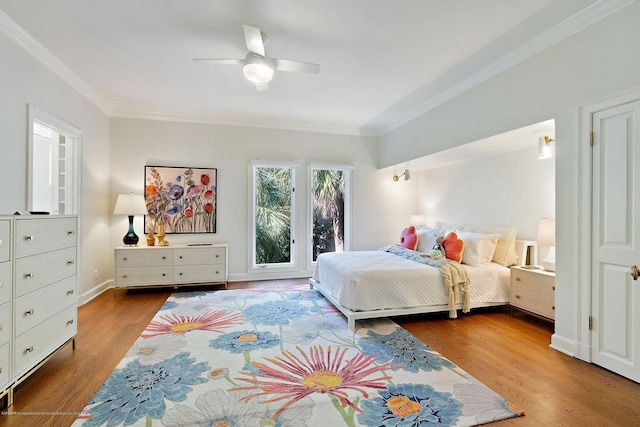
(182, 200)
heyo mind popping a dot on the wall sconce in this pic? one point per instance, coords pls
(544, 147)
(130, 204)
(406, 174)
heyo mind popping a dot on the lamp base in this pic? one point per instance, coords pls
(549, 263)
(131, 238)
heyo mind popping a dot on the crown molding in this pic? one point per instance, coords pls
(570, 26)
(228, 121)
(23, 39)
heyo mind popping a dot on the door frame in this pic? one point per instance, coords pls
(585, 287)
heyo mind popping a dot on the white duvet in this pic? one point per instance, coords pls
(376, 280)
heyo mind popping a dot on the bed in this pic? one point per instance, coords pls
(372, 284)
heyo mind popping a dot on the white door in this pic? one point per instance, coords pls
(616, 239)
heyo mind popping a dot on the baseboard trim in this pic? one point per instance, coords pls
(563, 345)
(94, 292)
(269, 276)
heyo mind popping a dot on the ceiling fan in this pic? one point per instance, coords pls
(257, 67)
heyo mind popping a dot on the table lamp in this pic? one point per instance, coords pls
(130, 204)
(547, 237)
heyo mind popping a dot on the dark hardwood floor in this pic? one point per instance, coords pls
(510, 354)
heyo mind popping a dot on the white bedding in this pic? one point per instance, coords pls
(378, 280)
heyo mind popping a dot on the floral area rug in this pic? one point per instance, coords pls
(283, 357)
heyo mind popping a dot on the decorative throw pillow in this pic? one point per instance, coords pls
(453, 247)
(479, 248)
(505, 253)
(408, 238)
(426, 238)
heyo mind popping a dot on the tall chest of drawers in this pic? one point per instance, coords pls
(44, 289)
(6, 308)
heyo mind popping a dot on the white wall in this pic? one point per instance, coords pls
(513, 189)
(136, 143)
(600, 60)
(23, 81)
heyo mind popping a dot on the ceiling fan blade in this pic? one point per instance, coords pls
(253, 37)
(261, 87)
(221, 61)
(296, 66)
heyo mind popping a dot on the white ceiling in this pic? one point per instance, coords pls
(382, 61)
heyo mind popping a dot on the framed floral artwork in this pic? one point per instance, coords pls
(180, 199)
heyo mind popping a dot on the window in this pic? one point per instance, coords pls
(273, 218)
(53, 162)
(330, 208)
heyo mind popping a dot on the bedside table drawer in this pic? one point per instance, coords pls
(534, 302)
(533, 282)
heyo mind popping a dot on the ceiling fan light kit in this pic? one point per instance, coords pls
(257, 67)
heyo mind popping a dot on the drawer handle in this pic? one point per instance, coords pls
(1, 326)
(29, 312)
(70, 322)
(124, 259)
(181, 274)
(0, 370)
(217, 256)
(517, 296)
(71, 232)
(217, 271)
(28, 237)
(517, 279)
(29, 350)
(71, 262)
(124, 276)
(29, 276)
(553, 307)
(553, 288)
(164, 257)
(180, 256)
(163, 274)
(70, 292)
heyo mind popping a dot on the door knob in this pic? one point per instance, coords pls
(635, 273)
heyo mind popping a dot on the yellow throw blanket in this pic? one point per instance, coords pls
(455, 278)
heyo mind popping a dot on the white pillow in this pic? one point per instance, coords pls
(505, 253)
(478, 248)
(445, 228)
(426, 238)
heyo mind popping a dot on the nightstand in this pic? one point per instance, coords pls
(533, 291)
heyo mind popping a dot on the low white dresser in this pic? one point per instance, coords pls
(533, 290)
(152, 266)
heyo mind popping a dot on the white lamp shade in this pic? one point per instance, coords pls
(417, 220)
(547, 231)
(130, 204)
(547, 237)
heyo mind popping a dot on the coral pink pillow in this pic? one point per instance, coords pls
(409, 238)
(453, 247)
